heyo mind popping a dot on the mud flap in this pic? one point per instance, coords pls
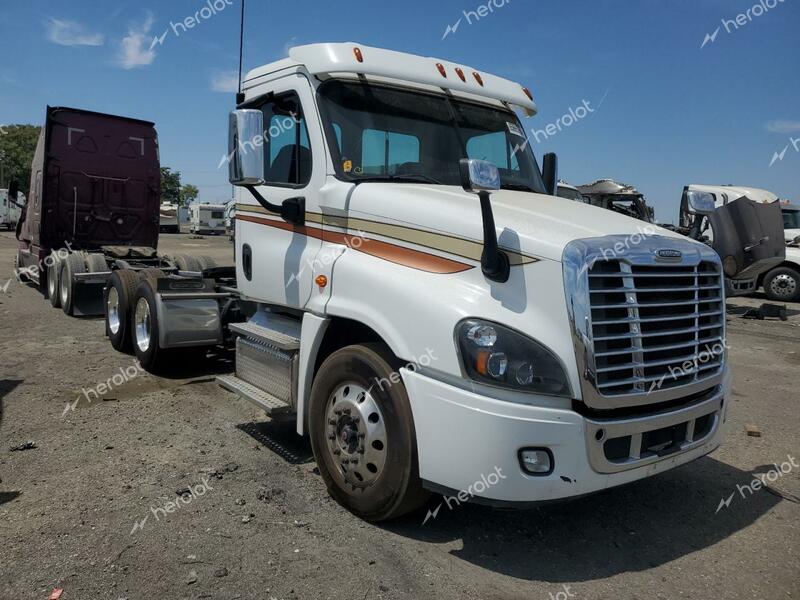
(87, 289)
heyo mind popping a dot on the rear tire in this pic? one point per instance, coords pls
(205, 262)
(71, 265)
(145, 329)
(96, 263)
(363, 434)
(54, 281)
(184, 262)
(118, 301)
(782, 284)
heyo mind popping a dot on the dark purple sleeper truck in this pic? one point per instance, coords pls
(93, 206)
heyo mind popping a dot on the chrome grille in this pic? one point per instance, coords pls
(654, 326)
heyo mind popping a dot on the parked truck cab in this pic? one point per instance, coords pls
(428, 310)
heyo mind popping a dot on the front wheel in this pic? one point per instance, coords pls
(362, 434)
(782, 284)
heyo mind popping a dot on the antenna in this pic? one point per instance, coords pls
(239, 94)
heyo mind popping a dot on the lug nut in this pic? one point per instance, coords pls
(346, 411)
(331, 422)
(337, 451)
(338, 411)
(356, 420)
(331, 437)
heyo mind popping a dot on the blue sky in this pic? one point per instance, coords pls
(666, 112)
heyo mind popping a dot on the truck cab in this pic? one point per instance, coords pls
(426, 308)
(619, 197)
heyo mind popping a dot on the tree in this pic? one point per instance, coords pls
(189, 194)
(17, 146)
(170, 185)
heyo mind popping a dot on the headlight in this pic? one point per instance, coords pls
(496, 355)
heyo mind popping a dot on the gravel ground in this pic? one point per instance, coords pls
(91, 508)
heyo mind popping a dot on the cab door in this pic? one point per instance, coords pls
(276, 259)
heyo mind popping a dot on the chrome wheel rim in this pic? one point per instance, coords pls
(142, 325)
(112, 310)
(52, 290)
(783, 286)
(356, 435)
(64, 286)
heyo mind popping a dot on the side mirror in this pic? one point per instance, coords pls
(479, 175)
(700, 203)
(550, 173)
(246, 147)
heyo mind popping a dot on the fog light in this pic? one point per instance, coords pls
(730, 266)
(536, 461)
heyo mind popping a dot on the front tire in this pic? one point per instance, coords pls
(782, 284)
(362, 434)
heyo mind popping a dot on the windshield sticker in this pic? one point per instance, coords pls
(513, 129)
(347, 166)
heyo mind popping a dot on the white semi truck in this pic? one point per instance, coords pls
(409, 290)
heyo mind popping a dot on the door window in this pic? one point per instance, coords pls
(287, 150)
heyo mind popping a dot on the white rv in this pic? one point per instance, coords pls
(207, 219)
(10, 211)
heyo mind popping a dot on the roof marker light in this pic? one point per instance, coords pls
(443, 73)
(359, 56)
(460, 74)
(528, 93)
(478, 78)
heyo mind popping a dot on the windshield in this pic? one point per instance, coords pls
(381, 133)
(791, 219)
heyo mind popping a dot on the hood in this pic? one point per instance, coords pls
(534, 224)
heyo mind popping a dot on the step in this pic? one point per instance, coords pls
(279, 339)
(263, 400)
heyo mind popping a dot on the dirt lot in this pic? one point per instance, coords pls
(85, 509)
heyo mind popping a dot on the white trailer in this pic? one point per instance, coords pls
(207, 219)
(433, 321)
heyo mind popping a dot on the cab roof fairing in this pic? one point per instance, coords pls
(330, 58)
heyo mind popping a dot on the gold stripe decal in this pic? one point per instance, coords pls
(462, 247)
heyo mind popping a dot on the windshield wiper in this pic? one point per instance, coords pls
(395, 178)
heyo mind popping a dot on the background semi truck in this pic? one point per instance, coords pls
(93, 207)
(411, 292)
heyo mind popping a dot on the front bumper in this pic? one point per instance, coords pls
(463, 438)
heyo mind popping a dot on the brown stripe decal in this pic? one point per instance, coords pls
(400, 255)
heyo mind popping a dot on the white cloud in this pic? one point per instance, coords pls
(70, 33)
(135, 48)
(225, 81)
(783, 126)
